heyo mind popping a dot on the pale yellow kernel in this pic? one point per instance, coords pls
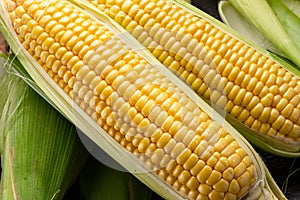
(47, 43)
(177, 150)
(274, 89)
(267, 100)
(196, 169)
(221, 102)
(163, 140)
(257, 110)
(143, 145)
(228, 87)
(244, 179)
(282, 104)
(283, 88)
(234, 92)
(184, 177)
(228, 174)
(150, 149)
(56, 65)
(177, 171)
(190, 162)
(243, 115)
(229, 150)
(204, 189)
(214, 177)
(229, 196)
(227, 70)
(157, 156)
(212, 161)
(234, 187)
(289, 93)
(295, 116)
(204, 174)
(278, 123)
(264, 117)
(234, 160)
(36, 32)
(295, 132)
(252, 84)
(170, 146)
(222, 164)
(240, 169)
(233, 74)
(61, 72)
(286, 127)
(295, 100)
(253, 102)
(192, 183)
(216, 195)
(171, 179)
(54, 47)
(169, 125)
(259, 88)
(288, 110)
(200, 149)
(271, 80)
(66, 57)
(183, 156)
(279, 81)
(165, 160)
(273, 115)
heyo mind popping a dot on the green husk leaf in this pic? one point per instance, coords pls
(234, 19)
(3, 85)
(260, 14)
(289, 21)
(42, 153)
(293, 5)
(98, 181)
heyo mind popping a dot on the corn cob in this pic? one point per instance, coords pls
(77, 59)
(256, 93)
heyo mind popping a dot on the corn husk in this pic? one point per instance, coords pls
(277, 27)
(235, 19)
(3, 85)
(42, 154)
(99, 181)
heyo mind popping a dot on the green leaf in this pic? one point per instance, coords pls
(289, 20)
(99, 181)
(260, 14)
(42, 153)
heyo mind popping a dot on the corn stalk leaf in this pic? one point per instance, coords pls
(234, 19)
(288, 19)
(42, 154)
(260, 14)
(99, 181)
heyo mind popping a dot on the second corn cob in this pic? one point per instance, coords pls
(258, 94)
(128, 106)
